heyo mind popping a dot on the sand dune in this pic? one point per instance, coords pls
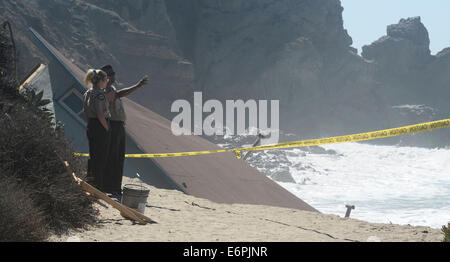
(183, 218)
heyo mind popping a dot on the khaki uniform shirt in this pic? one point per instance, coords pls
(95, 101)
(115, 105)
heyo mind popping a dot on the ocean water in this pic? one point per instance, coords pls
(386, 184)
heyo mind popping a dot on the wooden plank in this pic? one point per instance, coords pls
(30, 78)
(124, 210)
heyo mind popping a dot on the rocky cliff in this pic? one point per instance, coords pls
(415, 84)
(405, 66)
(296, 51)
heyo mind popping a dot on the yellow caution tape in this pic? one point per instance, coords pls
(312, 142)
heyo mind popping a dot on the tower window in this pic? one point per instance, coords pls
(72, 101)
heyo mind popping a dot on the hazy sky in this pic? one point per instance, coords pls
(366, 20)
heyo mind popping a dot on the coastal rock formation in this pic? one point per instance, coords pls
(283, 176)
(414, 83)
(405, 66)
(408, 42)
(144, 15)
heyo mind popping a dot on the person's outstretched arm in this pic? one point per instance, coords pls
(127, 91)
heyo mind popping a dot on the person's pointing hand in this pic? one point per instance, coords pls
(143, 81)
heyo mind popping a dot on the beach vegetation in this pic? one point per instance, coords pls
(38, 196)
(446, 231)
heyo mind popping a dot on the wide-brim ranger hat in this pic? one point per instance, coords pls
(108, 70)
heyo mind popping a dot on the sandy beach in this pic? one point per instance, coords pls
(183, 218)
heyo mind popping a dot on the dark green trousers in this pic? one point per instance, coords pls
(99, 140)
(116, 158)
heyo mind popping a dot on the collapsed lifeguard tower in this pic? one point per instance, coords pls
(221, 178)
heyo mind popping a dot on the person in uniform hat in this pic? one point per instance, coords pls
(96, 112)
(116, 157)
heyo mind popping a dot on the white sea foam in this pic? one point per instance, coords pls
(387, 184)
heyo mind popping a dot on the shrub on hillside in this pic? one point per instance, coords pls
(446, 231)
(29, 144)
(28, 148)
(6, 56)
(21, 220)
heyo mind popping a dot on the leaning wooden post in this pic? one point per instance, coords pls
(124, 210)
